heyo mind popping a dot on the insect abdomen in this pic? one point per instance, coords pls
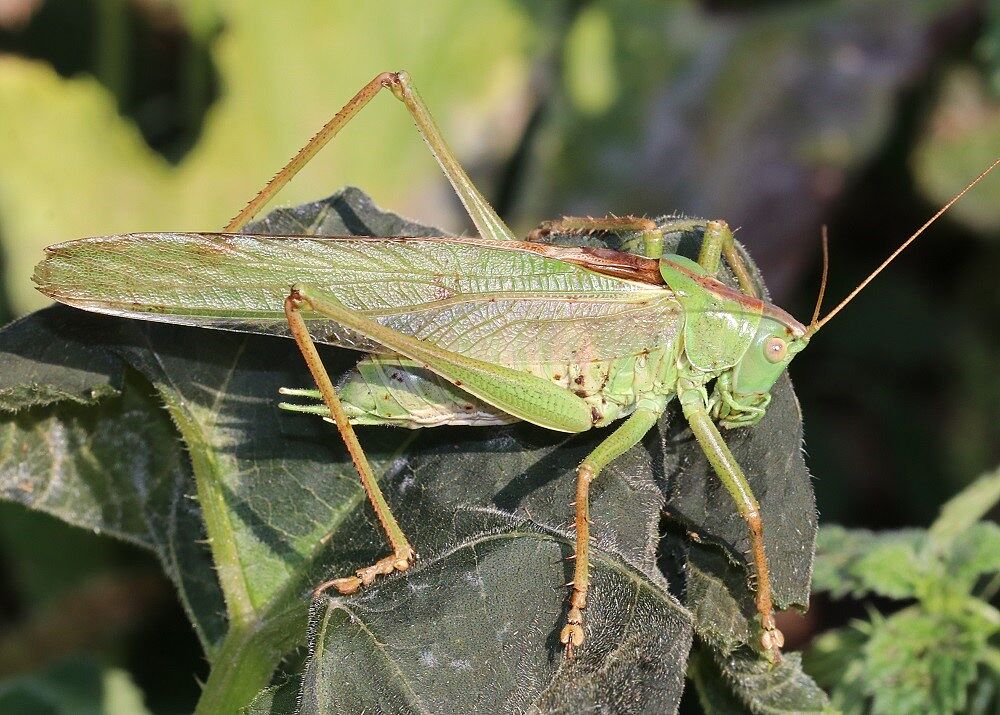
(397, 391)
(612, 387)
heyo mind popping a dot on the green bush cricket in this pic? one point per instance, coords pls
(564, 338)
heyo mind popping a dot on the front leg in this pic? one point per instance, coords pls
(728, 469)
(619, 442)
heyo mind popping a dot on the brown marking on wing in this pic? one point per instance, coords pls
(618, 264)
(213, 246)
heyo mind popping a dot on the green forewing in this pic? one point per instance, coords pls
(490, 302)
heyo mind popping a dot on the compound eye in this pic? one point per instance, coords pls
(775, 349)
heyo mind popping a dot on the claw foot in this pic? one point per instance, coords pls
(348, 585)
(771, 639)
(572, 635)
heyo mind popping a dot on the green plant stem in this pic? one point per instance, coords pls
(257, 639)
(245, 660)
(221, 537)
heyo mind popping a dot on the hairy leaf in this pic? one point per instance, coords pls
(920, 662)
(275, 700)
(925, 657)
(55, 356)
(114, 467)
(742, 682)
(915, 661)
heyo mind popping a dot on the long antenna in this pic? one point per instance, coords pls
(822, 280)
(850, 296)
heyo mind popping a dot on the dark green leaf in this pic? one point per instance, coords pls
(488, 515)
(715, 591)
(56, 355)
(742, 682)
(115, 468)
(349, 212)
(487, 613)
(714, 693)
(275, 700)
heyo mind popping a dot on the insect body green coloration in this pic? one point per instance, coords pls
(484, 330)
(391, 390)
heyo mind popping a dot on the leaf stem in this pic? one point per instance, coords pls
(221, 537)
(242, 665)
(245, 661)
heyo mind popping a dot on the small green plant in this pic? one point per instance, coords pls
(939, 654)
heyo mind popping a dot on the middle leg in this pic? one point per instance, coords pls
(735, 482)
(619, 442)
(651, 234)
(402, 553)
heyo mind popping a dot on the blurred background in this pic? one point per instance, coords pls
(779, 116)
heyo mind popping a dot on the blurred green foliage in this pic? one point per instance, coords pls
(73, 687)
(73, 166)
(939, 655)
